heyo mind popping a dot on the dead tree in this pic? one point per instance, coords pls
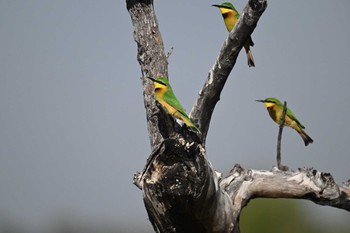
(181, 190)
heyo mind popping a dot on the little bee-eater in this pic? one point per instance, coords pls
(166, 97)
(275, 109)
(231, 15)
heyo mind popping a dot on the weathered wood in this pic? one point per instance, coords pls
(242, 185)
(152, 60)
(209, 95)
(181, 190)
(178, 183)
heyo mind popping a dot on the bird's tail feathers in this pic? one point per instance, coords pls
(250, 58)
(188, 122)
(306, 138)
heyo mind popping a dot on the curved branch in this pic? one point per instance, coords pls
(242, 185)
(209, 95)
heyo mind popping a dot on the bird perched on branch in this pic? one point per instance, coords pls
(275, 109)
(166, 97)
(231, 15)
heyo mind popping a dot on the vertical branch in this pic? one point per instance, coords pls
(179, 185)
(279, 139)
(151, 57)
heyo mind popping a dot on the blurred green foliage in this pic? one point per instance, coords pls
(259, 216)
(279, 216)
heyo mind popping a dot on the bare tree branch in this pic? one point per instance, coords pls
(242, 185)
(181, 190)
(209, 95)
(179, 185)
(152, 59)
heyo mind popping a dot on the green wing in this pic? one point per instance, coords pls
(293, 117)
(171, 99)
(237, 14)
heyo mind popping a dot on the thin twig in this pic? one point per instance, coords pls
(169, 52)
(279, 163)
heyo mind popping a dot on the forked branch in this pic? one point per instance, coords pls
(209, 95)
(181, 190)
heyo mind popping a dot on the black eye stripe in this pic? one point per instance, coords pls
(226, 7)
(160, 82)
(225, 15)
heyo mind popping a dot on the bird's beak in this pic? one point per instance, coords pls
(152, 79)
(262, 101)
(224, 7)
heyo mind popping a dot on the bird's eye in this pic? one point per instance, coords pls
(225, 15)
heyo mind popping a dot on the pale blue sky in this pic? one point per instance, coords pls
(73, 127)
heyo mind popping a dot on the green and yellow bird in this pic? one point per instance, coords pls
(166, 97)
(231, 15)
(275, 109)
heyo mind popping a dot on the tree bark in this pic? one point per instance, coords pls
(243, 185)
(152, 59)
(217, 76)
(182, 192)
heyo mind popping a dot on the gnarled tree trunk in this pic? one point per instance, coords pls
(181, 190)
